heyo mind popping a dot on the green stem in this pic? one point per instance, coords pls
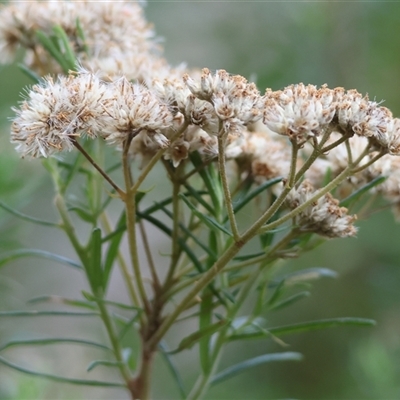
(230, 252)
(176, 250)
(70, 231)
(147, 250)
(69, 228)
(203, 382)
(99, 169)
(114, 341)
(203, 281)
(122, 263)
(130, 209)
(225, 185)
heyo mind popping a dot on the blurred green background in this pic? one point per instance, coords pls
(349, 44)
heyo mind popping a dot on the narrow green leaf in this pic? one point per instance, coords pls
(172, 367)
(62, 300)
(21, 253)
(127, 326)
(192, 235)
(94, 269)
(104, 363)
(57, 378)
(189, 341)
(254, 362)
(81, 36)
(113, 248)
(210, 222)
(114, 167)
(196, 195)
(348, 201)
(51, 341)
(205, 320)
(238, 205)
(306, 275)
(277, 293)
(192, 256)
(290, 300)
(83, 214)
(52, 49)
(246, 257)
(123, 306)
(305, 327)
(321, 324)
(68, 52)
(213, 185)
(35, 313)
(29, 73)
(27, 217)
(72, 169)
(162, 204)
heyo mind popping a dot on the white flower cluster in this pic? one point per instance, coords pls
(56, 113)
(235, 102)
(323, 216)
(258, 129)
(118, 39)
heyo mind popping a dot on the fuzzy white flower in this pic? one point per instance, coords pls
(57, 112)
(324, 216)
(130, 108)
(236, 102)
(299, 111)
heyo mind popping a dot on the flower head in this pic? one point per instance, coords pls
(299, 111)
(55, 113)
(324, 216)
(235, 101)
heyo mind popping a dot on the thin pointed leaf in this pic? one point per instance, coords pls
(83, 214)
(27, 217)
(57, 378)
(68, 53)
(104, 363)
(94, 269)
(254, 362)
(193, 236)
(210, 222)
(358, 193)
(196, 195)
(21, 253)
(189, 341)
(174, 371)
(81, 35)
(52, 49)
(290, 300)
(305, 327)
(158, 205)
(246, 257)
(35, 313)
(72, 169)
(62, 300)
(277, 293)
(308, 274)
(321, 324)
(205, 320)
(127, 326)
(238, 205)
(51, 341)
(29, 73)
(197, 264)
(113, 248)
(214, 190)
(90, 297)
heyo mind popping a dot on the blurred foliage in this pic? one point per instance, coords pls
(350, 44)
